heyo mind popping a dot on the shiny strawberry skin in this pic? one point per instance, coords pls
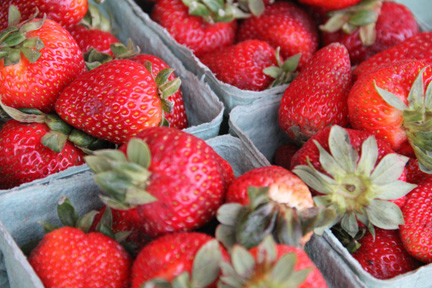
(368, 111)
(67, 257)
(395, 24)
(314, 279)
(177, 118)
(37, 85)
(417, 47)
(192, 31)
(185, 179)
(113, 102)
(242, 64)
(23, 158)
(285, 25)
(168, 256)
(65, 12)
(317, 97)
(330, 4)
(416, 233)
(384, 256)
(88, 38)
(414, 174)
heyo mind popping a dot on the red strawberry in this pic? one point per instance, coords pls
(261, 265)
(113, 102)
(65, 12)
(171, 255)
(284, 153)
(356, 174)
(70, 257)
(394, 23)
(417, 47)
(390, 102)
(414, 174)
(178, 171)
(198, 34)
(416, 233)
(23, 157)
(383, 256)
(36, 79)
(330, 4)
(177, 118)
(284, 25)
(242, 64)
(316, 98)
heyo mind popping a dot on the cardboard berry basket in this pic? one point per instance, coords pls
(230, 96)
(23, 208)
(262, 139)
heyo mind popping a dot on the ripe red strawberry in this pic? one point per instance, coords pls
(71, 257)
(262, 266)
(416, 233)
(94, 31)
(417, 47)
(383, 256)
(316, 98)
(330, 4)
(113, 102)
(356, 174)
(284, 153)
(414, 174)
(390, 102)
(284, 25)
(65, 12)
(177, 118)
(36, 77)
(23, 157)
(178, 171)
(199, 34)
(393, 24)
(171, 255)
(242, 64)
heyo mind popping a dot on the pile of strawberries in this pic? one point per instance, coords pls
(357, 112)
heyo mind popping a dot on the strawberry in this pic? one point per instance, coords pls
(284, 153)
(263, 267)
(171, 177)
(330, 4)
(383, 256)
(242, 64)
(177, 118)
(357, 175)
(177, 254)
(416, 233)
(284, 25)
(115, 101)
(417, 47)
(199, 34)
(34, 78)
(316, 98)
(414, 174)
(23, 157)
(70, 257)
(94, 31)
(392, 103)
(383, 25)
(65, 12)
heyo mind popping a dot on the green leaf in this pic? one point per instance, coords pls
(329, 163)
(258, 196)
(66, 212)
(291, 64)
(363, 17)
(157, 283)
(228, 213)
(369, 156)
(111, 155)
(415, 96)
(226, 235)
(213, 5)
(284, 268)
(137, 196)
(198, 9)
(313, 178)
(98, 164)
(32, 55)
(14, 16)
(384, 214)
(181, 281)
(349, 224)
(391, 99)
(428, 96)
(112, 185)
(48, 227)
(272, 71)
(168, 89)
(54, 141)
(267, 250)
(229, 276)
(389, 169)
(342, 150)
(256, 7)
(84, 223)
(289, 227)
(335, 23)
(395, 190)
(206, 266)
(242, 261)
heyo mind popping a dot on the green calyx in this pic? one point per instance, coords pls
(205, 270)
(284, 72)
(123, 178)
(14, 42)
(248, 225)
(417, 119)
(95, 19)
(362, 16)
(262, 271)
(357, 187)
(214, 11)
(94, 58)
